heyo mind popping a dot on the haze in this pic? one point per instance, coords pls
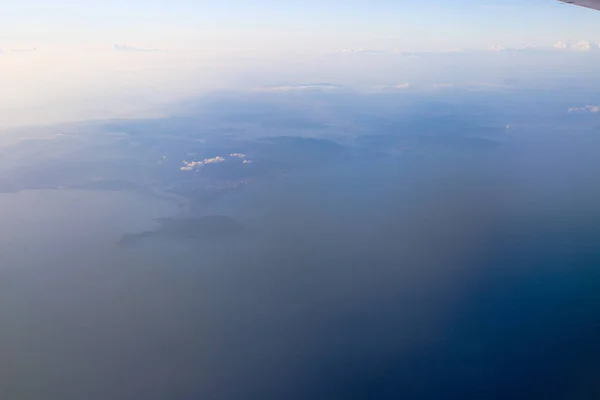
(76, 60)
(306, 200)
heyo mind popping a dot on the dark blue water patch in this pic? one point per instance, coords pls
(527, 333)
(527, 328)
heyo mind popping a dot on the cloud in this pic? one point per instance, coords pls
(581, 45)
(528, 47)
(299, 87)
(365, 51)
(24, 50)
(404, 85)
(590, 109)
(471, 86)
(242, 157)
(122, 47)
(373, 52)
(191, 165)
(391, 88)
(196, 165)
(214, 160)
(498, 47)
(560, 45)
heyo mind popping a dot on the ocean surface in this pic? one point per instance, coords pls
(297, 310)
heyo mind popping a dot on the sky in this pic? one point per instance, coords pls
(410, 25)
(68, 59)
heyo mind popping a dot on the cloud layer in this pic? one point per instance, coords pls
(585, 109)
(122, 47)
(196, 165)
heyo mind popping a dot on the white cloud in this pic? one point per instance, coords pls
(560, 45)
(247, 161)
(237, 155)
(366, 51)
(196, 165)
(376, 52)
(214, 160)
(24, 50)
(582, 45)
(590, 109)
(392, 87)
(191, 165)
(301, 86)
(471, 86)
(527, 47)
(123, 47)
